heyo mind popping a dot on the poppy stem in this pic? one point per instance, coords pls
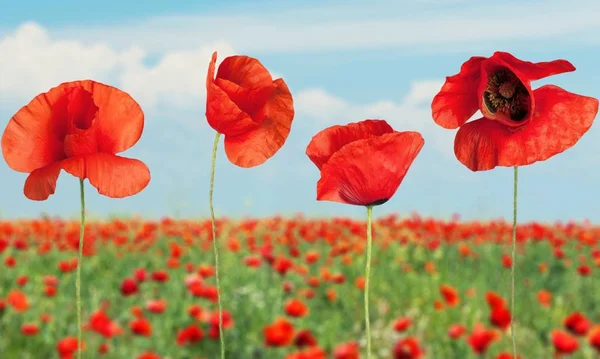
(79, 260)
(214, 238)
(512, 270)
(367, 274)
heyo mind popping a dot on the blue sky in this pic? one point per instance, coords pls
(343, 60)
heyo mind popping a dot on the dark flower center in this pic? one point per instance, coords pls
(378, 202)
(506, 94)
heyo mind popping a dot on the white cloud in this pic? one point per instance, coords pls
(411, 25)
(411, 113)
(38, 62)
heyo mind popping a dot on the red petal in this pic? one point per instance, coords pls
(368, 171)
(327, 142)
(41, 183)
(457, 101)
(120, 120)
(113, 176)
(28, 142)
(535, 71)
(244, 71)
(559, 121)
(254, 147)
(222, 113)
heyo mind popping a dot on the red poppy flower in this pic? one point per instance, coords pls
(577, 324)
(450, 295)
(481, 338)
(594, 338)
(402, 324)
(520, 126)
(295, 308)
(500, 317)
(254, 112)
(305, 338)
(349, 350)
(408, 348)
(190, 335)
(362, 163)
(564, 343)
(279, 334)
(78, 127)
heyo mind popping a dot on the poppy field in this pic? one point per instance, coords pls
(292, 288)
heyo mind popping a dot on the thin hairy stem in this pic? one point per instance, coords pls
(79, 263)
(512, 269)
(214, 236)
(367, 275)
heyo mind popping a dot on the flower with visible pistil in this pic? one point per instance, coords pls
(362, 164)
(520, 126)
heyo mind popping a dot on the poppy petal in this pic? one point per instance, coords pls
(113, 176)
(560, 119)
(538, 70)
(41, 183)
(254, 147)
(369, 171)
(244, 71)
(28, 142)
(457, 101)
(327, 142)
(222, 114)
(120, 120)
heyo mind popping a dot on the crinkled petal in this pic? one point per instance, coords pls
(560, 119)
(535, 70)
(254, 147)
(41, 183)
(222, 114)
(457, 100)
(327, 142)
(113, 176)
(369, 171)
(29, 142)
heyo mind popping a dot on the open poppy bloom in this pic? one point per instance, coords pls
(78, 127)
(520, 126)
(362, 163)
(252, 110)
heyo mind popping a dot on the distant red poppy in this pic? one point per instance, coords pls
(402, 324)
(304, 338)
(450, 295)
(456, 331)
(408, 348)
(141, 326)
(349, 350)
(190, 335)
(500, 317)
(520, 126)
(362, 163)
(594, 338)
(279, 334)
(18, 300)
(564, 343)
(296, 308)
(78, 127)
(577, 324)
(30, 329)
(481, 338)
(252, 110)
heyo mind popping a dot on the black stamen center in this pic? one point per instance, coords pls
(507, 94)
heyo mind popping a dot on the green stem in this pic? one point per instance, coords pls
(512, 270)
(79, 262)
(367, 274)
(214, 235)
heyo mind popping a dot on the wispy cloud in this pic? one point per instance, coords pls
(434, 25)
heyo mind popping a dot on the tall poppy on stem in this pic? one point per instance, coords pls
(520, 126)
(78, 127)
(255, 114)
(363, 164)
